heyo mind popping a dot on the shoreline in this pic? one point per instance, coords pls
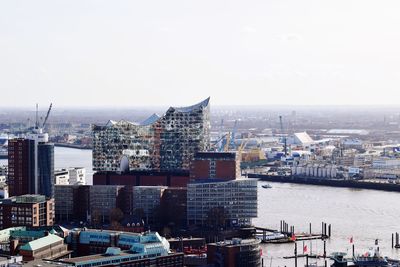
(327, 182)
(72, 146)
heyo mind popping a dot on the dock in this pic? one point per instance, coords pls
(287, 234)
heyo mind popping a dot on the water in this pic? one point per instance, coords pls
(70, 157)
(364, 214)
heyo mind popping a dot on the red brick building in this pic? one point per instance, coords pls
(21, 166)
(142, 178)
(221, 165)
(26, 210)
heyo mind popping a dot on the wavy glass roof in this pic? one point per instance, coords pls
(155, 117)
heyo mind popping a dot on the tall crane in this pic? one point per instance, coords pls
(47, 115)
(243, 145)
(228, 138)
(232, 143)
(221, 136)
(284, 136)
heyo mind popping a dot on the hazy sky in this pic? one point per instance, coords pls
(135, 53)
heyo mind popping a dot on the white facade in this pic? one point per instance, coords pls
(77, 175)
(61, 177)
(315, 170)
(386, 163)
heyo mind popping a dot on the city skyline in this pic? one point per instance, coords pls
(155, 53)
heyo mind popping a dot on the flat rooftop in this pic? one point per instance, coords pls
(97, 257)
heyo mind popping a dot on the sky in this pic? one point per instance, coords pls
(78, 53)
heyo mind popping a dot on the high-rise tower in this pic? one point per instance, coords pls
(31, 163)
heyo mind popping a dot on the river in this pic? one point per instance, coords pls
(362, 214)
(70, 157)
(365, 215)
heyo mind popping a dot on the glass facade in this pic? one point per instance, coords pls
(160, 143)
(46, 169)
(238, 198)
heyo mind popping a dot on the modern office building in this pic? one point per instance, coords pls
(236, 199)
(72, 203)
(88, 203)
(31, 165)
(166, 143)
(221, 165)
(45, 177)
(147, 199)
(26, 210)
(103, 199)
(235, 253)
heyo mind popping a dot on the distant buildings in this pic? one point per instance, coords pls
(301, 139)
(75, 175)
(166, 143)
(61, 177)
(26, 210)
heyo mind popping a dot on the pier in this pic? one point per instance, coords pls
(287, 234)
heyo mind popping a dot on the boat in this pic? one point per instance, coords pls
(266, 186)
(372, 258)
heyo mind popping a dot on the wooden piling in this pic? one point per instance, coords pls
(392, 240)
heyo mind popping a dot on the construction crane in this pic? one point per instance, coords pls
(47, 115)
(37, 117)
(219, 144)
(284, 136)
(221, 136)
(228, 137)
(243, 145)
(232, 143)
